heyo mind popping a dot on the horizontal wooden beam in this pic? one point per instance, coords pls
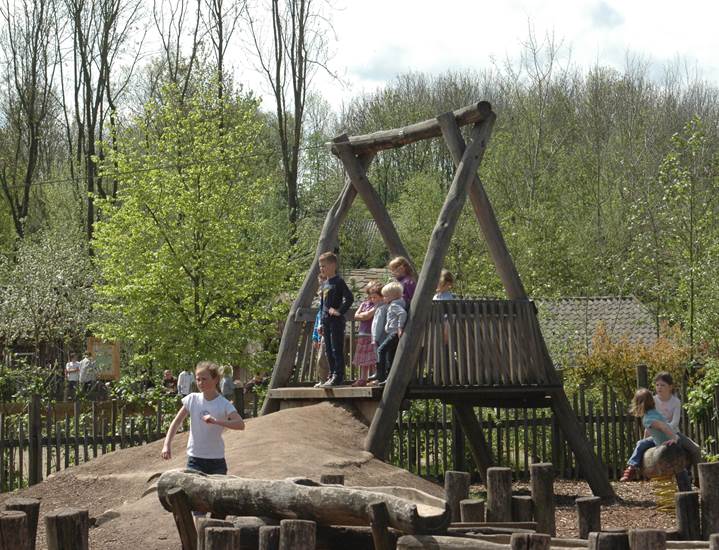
(391, 139)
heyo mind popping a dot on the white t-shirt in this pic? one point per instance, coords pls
(670, 409)
(206, 439)
(184, 382)
(72, 371)
(87, 371)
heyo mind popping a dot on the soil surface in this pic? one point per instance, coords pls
(117, 488)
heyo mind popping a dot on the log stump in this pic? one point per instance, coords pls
(298, 534)
(182, 513)
(67, 529)
(709, 497)
(542, 487)
(379, 522)
(456, 489)
(204, 523)
(14, 532)
(522, 508)
(269, 538)
(608, 541)
(589, 515)
(499, 494)
(714, 542)
(471, 510)
(530, 541)
(31, 507)
(222, 538)
(687, 510)
(647, 539)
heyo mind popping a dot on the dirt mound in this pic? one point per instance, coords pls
(306, 442)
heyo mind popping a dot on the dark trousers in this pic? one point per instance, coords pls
(334, 335)
(385, 356)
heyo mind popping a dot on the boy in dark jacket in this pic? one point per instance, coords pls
(335, 301)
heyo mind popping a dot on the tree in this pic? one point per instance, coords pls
(192, 262)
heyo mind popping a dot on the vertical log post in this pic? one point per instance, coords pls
(205, 523)
(471, 510)
(642, 376)
(530, 541)
(67, 529)
(222, 538)
(608, 541)
(180, 504)
(542, 488)
(332, 479)
(709, 497)
(269, 538)
(647, 539)
(379, 522)
(14, 532)
(31, 507)
(298, 534)
(35, 440)
(687, 510)
(589, 515)
(522, 508)
(499, 494)
(456, 489)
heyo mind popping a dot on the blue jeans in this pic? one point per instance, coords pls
(207, 466)
(642, 446)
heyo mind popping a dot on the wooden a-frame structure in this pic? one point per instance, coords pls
(519, 370)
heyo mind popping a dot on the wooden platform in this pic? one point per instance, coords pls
(320, 394)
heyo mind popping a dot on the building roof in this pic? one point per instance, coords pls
(575, 320)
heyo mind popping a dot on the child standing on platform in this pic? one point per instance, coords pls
(401, 270)
(396, 317)
(366, 356)
(210, 414)
(444, 286)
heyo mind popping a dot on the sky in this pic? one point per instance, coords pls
(375, 40)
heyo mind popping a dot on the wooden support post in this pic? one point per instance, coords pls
(222, 538)
(382, 427)
(180, 505)
(642, 376)
(379, 522)
(589, 515)
(456, 489)
(542, 487)
(481, 452)
(499, 494)
(608, 541)
(709, 497)
(204, 523)
(67, 529)
(471, 510)
(284, 362)
(298, 534)
(687, 511)
(14, 532)
(31, 507)
(332, 479)
(522, 508)
(458, 462)
(530, 541)
(647, 539)
(269, 538)
(35, 440)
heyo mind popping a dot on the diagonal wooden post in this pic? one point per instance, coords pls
(291, 333)
(481, 452)
(408, 350)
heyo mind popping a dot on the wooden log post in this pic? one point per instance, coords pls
(205, 523)
(541, 483)
(31, 507)
(471, 510)
(642, 376)
(522, 508)
(269, 538)
(180, 505)
(456, 489)
(530, 541)
(687, 511)
(35, 440)
(499, 494)
(298, 534)
(481, 453)
(14, 532)
(222, 538)
(409, 349)
(67, 529)
(647, 539)
(332, 479)
(709, 497)
(437, 542)
(608, 541)
(589, 515)
(714, 542)
(379, 522)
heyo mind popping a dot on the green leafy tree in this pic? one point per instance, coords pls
(193, 262)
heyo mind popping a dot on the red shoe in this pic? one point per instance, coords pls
(630, 474)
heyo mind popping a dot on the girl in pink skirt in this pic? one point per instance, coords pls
(365, 356)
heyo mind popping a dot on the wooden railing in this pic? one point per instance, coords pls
(466, 343)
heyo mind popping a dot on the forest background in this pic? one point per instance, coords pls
(149, 196)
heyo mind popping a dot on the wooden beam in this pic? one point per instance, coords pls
(409, 349)
(488, 224)
(358, 176)
(481, 452)
(284, 362)
(390, 139)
